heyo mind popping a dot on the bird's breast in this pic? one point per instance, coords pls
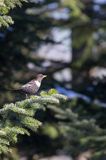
(37, 83)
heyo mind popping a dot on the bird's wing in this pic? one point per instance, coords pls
(30, 87)
(29, 84)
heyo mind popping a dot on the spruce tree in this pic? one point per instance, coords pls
(18, 118)
(5, 7)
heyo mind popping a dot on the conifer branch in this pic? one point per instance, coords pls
(5, 7)
(18, 118)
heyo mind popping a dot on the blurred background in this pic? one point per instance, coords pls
(64, 39)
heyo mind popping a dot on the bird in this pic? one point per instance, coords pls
(32, 87)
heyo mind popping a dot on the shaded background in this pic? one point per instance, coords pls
(64, 39)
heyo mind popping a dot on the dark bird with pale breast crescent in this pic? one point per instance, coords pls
(33, 86)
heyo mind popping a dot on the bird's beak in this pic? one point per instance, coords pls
(44, 76)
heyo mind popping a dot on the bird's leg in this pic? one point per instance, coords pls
(27, 96)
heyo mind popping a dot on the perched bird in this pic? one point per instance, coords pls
(33, 86)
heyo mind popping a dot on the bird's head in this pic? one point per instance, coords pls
(39, 77)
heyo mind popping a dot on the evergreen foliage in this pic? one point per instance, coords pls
(18, 118)
(79, 127)
(5, 7)
(79, 132)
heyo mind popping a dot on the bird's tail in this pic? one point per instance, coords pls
(10, 90)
